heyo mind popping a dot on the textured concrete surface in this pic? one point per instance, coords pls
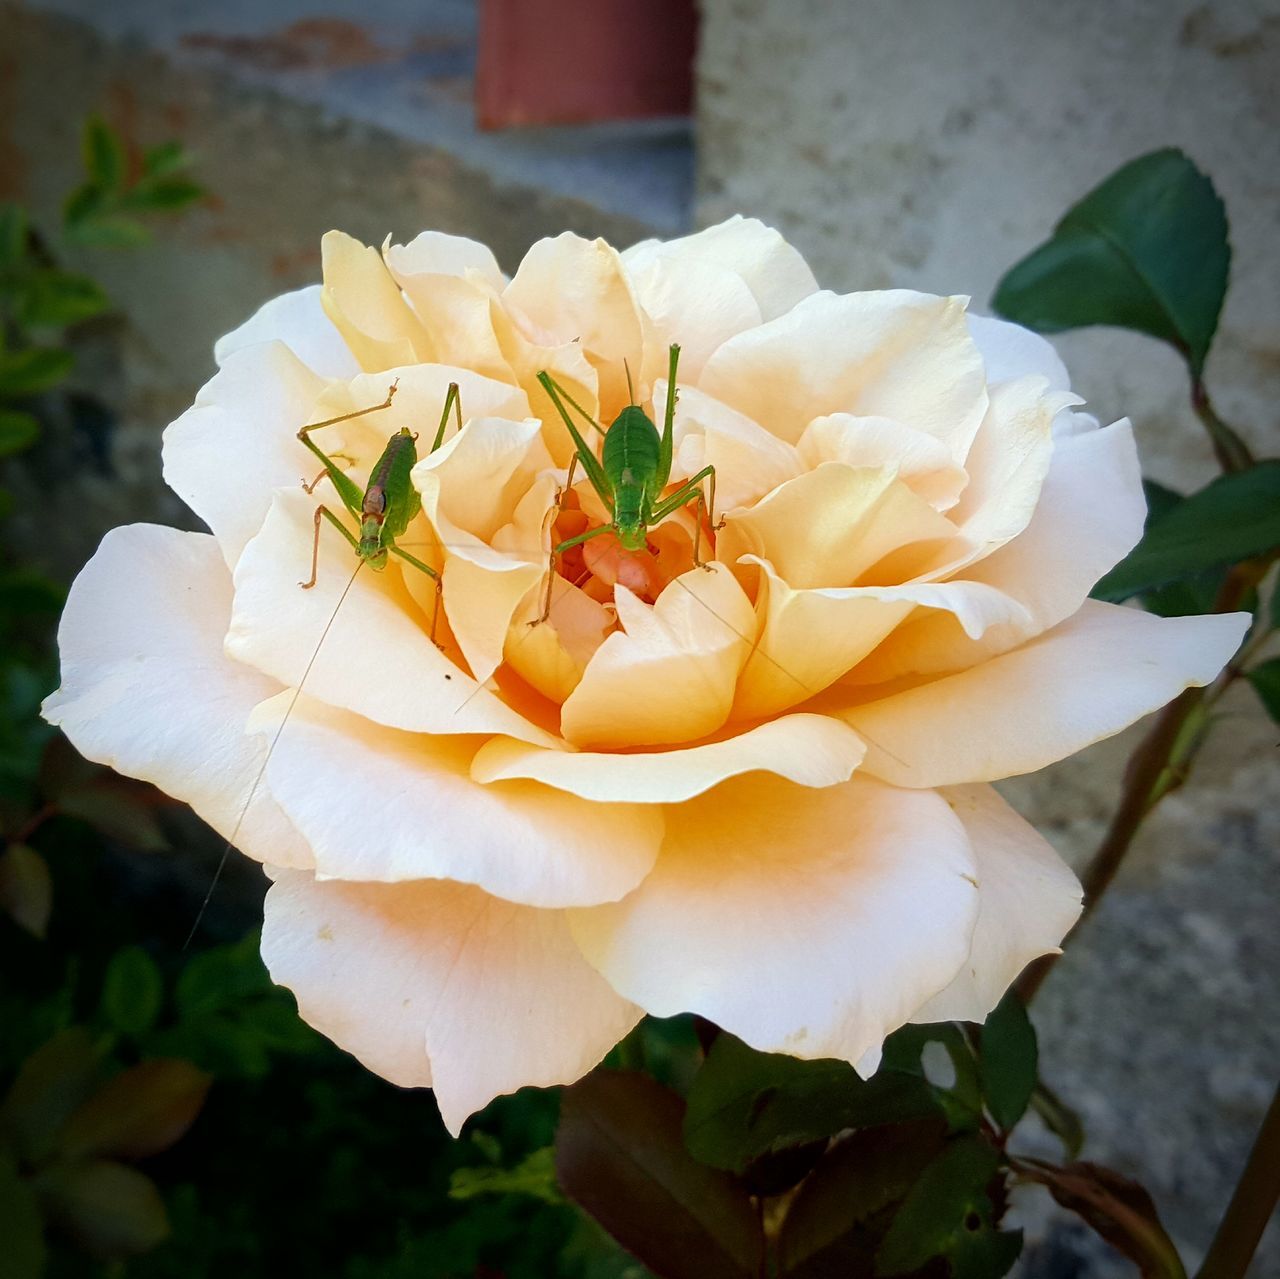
(281, 169)
(930, 146)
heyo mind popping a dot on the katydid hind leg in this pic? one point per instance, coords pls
(325, 513)
(452, 400)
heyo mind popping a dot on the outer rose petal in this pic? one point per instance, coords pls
(1009, 351)
(810, 750)
(146, 688)
(435, 253)
(1028, 899)
(375, 658)
(298, 320)
(1086, 679)
(812, 923)
(228, 452)
(438, 983)
(776, 274)
(377, 804)
(894, 354)
(668, 676)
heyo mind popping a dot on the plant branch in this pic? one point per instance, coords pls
(1251, 1206)
(1160, 764)
(1231, 451)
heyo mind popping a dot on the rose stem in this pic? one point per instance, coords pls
(1251, 1206)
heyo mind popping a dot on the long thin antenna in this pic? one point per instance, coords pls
(262, 769)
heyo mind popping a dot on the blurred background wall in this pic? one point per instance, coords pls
(925, 145)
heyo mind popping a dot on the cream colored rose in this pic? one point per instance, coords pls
(756, 791)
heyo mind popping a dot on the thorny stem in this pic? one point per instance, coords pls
(1230, 450)
(1251, 1206)
(1159, 765)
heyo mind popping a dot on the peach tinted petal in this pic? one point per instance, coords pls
(366, 307)
(1028, 899)
(147, 689)
(776, 274)
(436, 254)
(749, 461)
(298, 320)
(829, 526)
(375, 657)
(377, 804)
(1084, 680)
(668, 675)
(1089, 516)
(1009, 351)
(924, 463)
(809, 750)
(227, 453)
(434, 982)
(895, 354)
(811, 923)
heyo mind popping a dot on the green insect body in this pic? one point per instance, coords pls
(388, 503)
(630, 475)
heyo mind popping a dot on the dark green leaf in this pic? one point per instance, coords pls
(1008, 1061)
(32, 370)
(118, 807)
(13, 235)
(1234, 518)
(1059, 1118)
(985, 1253)
(941, 1207)
(139, 1112)
(828, 1227)
(51, 1083)
(132, 991)
(1120, 1211)
(110, 1210)
(620, 1157)
(104, 156)
(83, 204)
(746, 1104)
(165, 158)
(221, 977)
(960, 1099)
(1146, 250)
(54, 299)
(1265, 679)
(163, 195)
(18, 431)
(109, 231)
(26, 888)
(21, 1226)
(24, 591)
(534, 1176)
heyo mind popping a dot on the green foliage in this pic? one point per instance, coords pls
(535, 1175)
(1145, 250)
(1235, 517)
(1265, 678)
(132, 991)
(1008, 1060)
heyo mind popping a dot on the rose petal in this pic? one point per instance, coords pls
(366, 651)
(776, 274)
(895, 354)
(668, 675)
(1028, 899)
(1084, 680)
(366, 306)
(298, 320)
(374, 803)
(810, 638)
(439, 983)
(142, 629)
(812, 923)
(829, 526)
(434, 253)
(1090, 515)
(810, 750)
(1009, 351)
(924, 463)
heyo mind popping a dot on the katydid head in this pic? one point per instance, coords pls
(631, 532)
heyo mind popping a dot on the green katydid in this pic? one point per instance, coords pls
(388, 503)
(630, 474)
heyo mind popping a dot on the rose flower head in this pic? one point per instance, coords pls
(541, 769)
